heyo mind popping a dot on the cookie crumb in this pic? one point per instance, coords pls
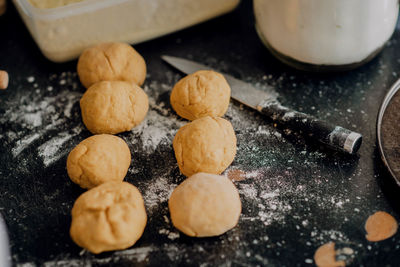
(325, 256)
(3, 79)
(236, 175)
(380, 226)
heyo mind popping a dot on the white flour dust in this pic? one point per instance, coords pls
(52, 150)
(137, 255)
(157, 191)
(271, 197)
(267, 205)
(23, 143)
(42, 119)
(172, 235)
(156, 129)
(159, 126)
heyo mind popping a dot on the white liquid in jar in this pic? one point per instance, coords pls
(326, 32)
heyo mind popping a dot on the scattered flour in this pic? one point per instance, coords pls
(23, 143)
(27, 264)
(34, 119)
(46, 117)
(157, 191)
(170, 234)
(137, 255)
(160, 125)
(53, 150)
(270, 198)
(248, 191)
(51, 112)
(156, 129)
(173, 235)
(270, 208)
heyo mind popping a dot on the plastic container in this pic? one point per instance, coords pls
(62, 33)
(325, 35)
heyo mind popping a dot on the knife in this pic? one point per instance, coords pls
(5, 259)
(336, 137)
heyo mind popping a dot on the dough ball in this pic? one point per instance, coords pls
(200, 94)
(111, 62)
(113, 107)
(207, 145)
(98, 159)
(108, 217)
(205, 205)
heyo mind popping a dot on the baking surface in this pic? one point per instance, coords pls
(295, 195)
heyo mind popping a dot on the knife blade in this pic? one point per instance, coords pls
(334, 136)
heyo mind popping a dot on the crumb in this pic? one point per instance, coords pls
(3, 79)
(380, 226)
(325, 256)
(236, 175)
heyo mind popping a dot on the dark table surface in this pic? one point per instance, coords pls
(296, 195)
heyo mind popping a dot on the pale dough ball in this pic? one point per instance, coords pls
(111, 62)
(205, 205)
(113, 107)
(207, 145)
(98, 159)
(108, 217)
(200, 94)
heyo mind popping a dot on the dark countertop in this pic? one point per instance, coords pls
(296, 195)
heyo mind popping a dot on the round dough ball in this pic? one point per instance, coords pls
(205, 205)
(111, 62)
(207, 145)
(98, 159)
(200, 94)
(113, 107)
(108, 217)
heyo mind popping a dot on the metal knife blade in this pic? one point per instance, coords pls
(334, 136)
(241, 91)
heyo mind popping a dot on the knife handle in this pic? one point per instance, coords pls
(334, 136)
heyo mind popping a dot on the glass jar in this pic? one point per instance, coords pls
(325, 35)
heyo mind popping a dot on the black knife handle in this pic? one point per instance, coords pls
(336, 137)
